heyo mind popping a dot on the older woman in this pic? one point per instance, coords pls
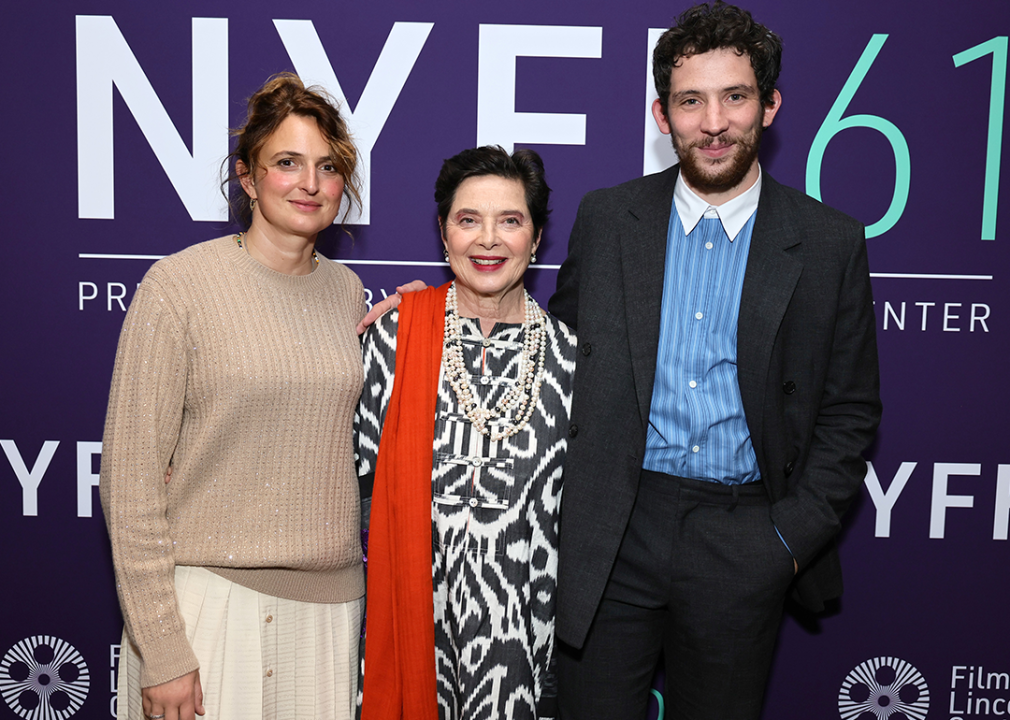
(463, 421)
(240, 580)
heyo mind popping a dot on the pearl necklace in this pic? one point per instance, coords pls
(520, 402)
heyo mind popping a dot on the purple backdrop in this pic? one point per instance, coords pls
(893, 112)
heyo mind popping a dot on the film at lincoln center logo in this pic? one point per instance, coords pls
(884, 688)
(44, 677)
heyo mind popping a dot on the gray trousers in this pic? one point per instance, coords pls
(700, 579)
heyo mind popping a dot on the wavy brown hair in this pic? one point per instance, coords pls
(282, 95)
(705, 27)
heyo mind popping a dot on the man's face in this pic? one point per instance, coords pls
(715, 119)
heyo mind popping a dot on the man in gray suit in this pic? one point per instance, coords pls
(717, 435)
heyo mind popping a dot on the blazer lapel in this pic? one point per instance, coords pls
(643, 258)
(769, 282)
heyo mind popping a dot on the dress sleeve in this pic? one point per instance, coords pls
(141, 431)
(379, 358)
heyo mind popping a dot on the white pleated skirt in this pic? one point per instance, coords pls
(261, 657)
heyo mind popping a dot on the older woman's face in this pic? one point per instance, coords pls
(296, 184)
(489, 236)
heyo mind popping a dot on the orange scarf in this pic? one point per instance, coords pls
(400, 647)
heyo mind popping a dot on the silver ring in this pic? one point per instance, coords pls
(154, 717)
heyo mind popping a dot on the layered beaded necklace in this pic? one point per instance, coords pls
(520, 402)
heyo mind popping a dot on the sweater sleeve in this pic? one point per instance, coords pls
(141, 431)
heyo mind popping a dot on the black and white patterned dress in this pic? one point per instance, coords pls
(494, 521)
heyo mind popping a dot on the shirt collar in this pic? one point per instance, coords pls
(733, 214)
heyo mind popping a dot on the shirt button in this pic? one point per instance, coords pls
(573, 430)
(695, 449)
(693, 384)
(473, 502)
(586, 348)
(485, 342)
(270, 673)
(270, 618)
(476, 462)
(708, 246)
(788, 387)
(698, 316)
(484, 379)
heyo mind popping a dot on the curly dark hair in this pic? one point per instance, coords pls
(523, 165)
(705, 27)
(282, 95)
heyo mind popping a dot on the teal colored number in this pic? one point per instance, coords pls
(997, 99)
(834, 123)
(662, 707)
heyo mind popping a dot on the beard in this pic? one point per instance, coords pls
(719, 176)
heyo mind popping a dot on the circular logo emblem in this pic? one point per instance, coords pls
(44, 677)
(884, 688)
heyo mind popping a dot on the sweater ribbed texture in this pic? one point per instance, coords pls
(246, 380)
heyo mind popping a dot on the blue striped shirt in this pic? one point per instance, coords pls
(697, 427)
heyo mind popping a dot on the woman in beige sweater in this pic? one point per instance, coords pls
(240, 580)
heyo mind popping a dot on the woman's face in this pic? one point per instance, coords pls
(296, 184)
(489, 236)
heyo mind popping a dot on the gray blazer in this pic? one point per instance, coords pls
(806, 362)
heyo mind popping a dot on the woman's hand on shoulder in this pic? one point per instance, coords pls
(177, 699)
(388, 303)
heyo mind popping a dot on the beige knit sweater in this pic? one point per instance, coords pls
(246, 380)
